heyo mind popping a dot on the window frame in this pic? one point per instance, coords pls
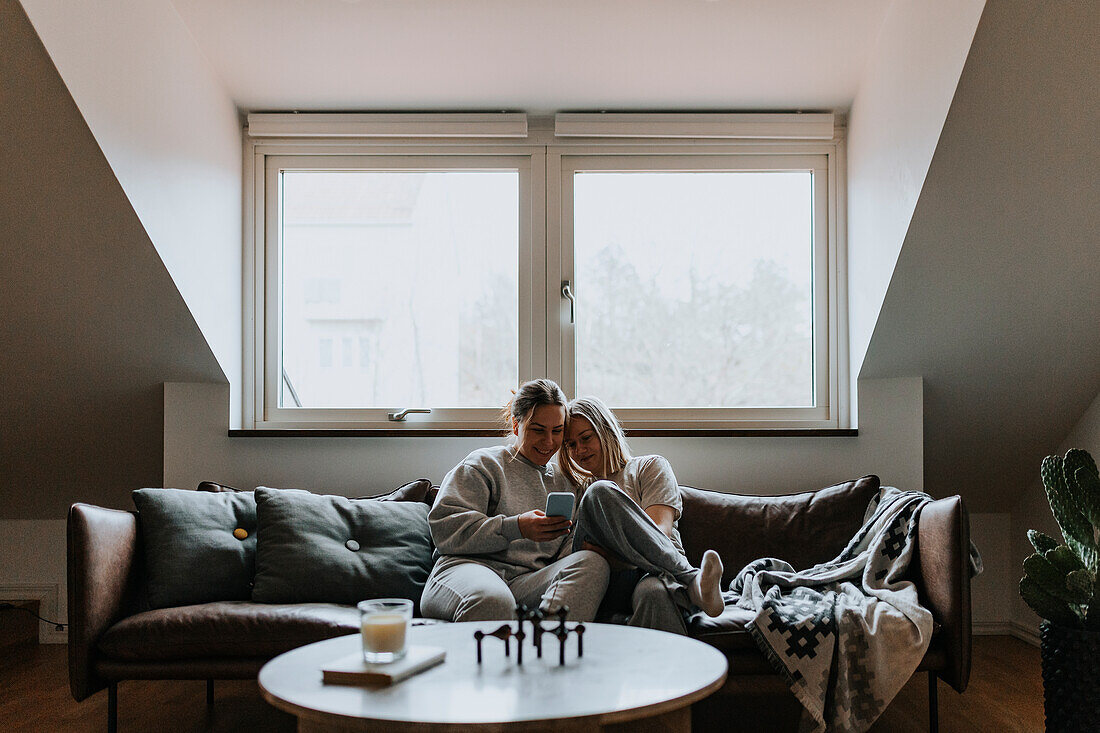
(545, 260)
(265, 412)
(566, 160)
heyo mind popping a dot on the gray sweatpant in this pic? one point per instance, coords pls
(466, 590)
(609, 518)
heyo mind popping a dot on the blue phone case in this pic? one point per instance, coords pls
(559, 504)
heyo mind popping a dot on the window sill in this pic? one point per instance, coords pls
(498, 433)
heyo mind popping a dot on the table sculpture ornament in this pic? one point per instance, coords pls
(535, 617)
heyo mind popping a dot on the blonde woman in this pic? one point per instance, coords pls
(628, 513)
(495, 545)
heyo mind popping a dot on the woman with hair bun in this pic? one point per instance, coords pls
(495, 546)
(628, 513)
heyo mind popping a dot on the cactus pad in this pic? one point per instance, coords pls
(1063, 558)
(1041, 541)
(1076, 529)
(1084, 485)
(1079, 585)
(1046, 605)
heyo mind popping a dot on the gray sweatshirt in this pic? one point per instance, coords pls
(476, 514)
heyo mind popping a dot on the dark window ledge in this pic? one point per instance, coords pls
(497, 433)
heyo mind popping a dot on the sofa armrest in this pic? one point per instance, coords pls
(943, 548)
(103, 582)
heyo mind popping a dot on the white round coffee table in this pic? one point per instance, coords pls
(627, 675)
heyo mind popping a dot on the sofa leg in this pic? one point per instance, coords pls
(933, 704)
(210, 693)
(112, 708)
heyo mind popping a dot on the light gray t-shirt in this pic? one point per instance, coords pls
(476, 514)
(649, 480)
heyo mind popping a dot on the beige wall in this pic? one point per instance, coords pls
(196, 448)
(92, 323)
(34, 568)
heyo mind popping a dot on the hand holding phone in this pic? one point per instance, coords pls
(555, 522)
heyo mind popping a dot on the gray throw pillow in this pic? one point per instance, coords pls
(199, 546)
(331, 549)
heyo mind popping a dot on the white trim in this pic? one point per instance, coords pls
(838, 253)
(532, 276)
(387, 124)
(559, 238)
(47, 595)
(1025, 632)
(814, 126)
(1015, 629)
(252, 287)
(992, 628)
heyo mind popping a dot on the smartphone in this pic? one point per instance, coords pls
(560, 504)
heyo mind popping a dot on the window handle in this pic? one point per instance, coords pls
(400, 416)
(567, 292)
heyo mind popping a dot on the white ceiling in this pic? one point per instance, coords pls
(538, 56)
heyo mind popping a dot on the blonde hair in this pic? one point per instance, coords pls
(609, 433)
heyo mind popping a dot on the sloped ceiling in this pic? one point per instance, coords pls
(92, 323)
(995, 298)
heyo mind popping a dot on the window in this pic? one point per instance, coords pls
(690, 285)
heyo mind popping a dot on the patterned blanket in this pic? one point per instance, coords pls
(846, 634)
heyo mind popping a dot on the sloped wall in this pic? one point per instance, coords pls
(172, 137)
(895, 122)
(995, 298)
(91, 324)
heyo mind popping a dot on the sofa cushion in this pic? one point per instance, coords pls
(225, 629)
(724, 632)
(416, 490)
(317, 548)
(199, 546)
(215, 487)
(803, 529)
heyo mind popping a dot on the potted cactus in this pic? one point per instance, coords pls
(1061, 583)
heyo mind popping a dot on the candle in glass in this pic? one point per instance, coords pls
(384, 622)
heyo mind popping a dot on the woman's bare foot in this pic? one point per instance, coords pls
(705, 590)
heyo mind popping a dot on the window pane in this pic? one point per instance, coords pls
(411, 275)
(694, 289)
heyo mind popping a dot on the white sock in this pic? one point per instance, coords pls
(705, 590)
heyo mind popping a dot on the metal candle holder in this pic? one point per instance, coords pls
(535, 617)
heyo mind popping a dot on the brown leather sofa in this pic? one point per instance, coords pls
(115, 637)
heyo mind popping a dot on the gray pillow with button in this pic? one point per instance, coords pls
(199, 546)
(331, 549)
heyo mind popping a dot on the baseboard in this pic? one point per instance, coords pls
(47, 595)
(1025, 632)
(1015, 629)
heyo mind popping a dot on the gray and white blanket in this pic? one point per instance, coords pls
(846, 634)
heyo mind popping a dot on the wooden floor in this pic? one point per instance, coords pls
(1005, 694)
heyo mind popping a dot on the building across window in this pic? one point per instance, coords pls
(689, 286)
